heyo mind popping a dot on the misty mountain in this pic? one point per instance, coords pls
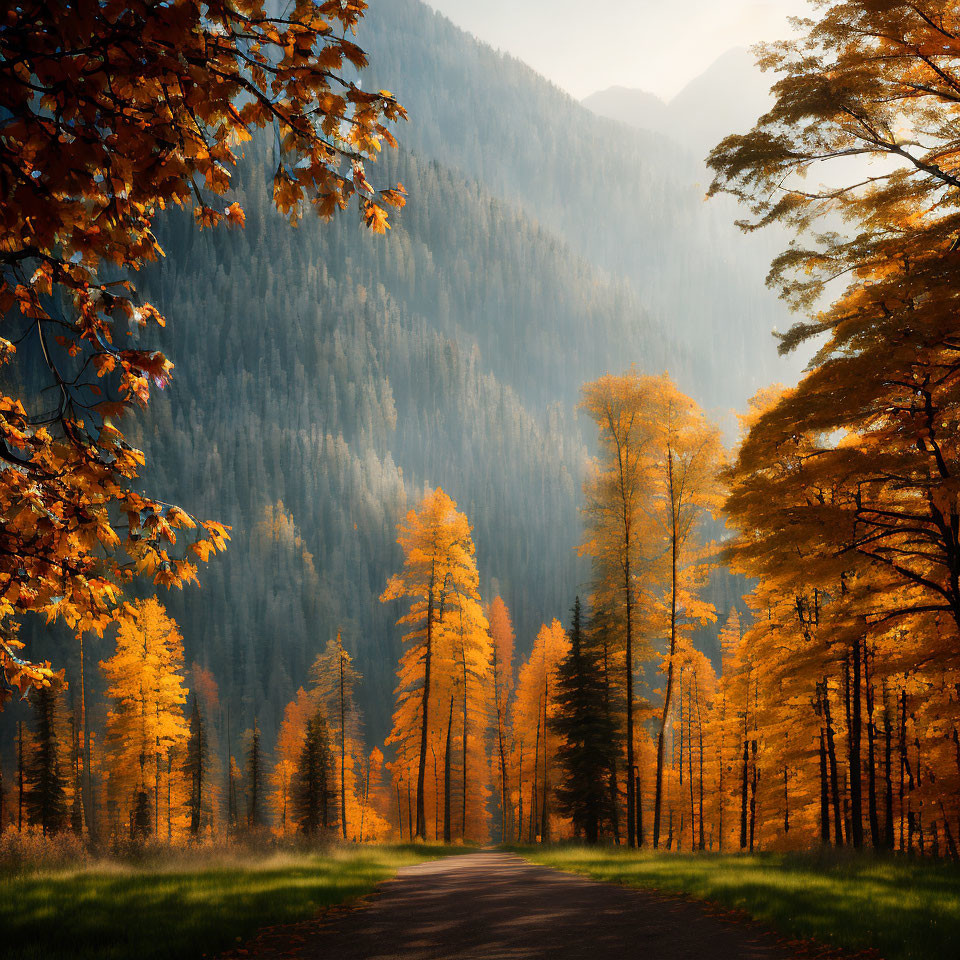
(726, 98)
(629, 201)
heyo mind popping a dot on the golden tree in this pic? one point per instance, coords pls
(535, 750)
(145, 723)
(656, 482)
(616, 522)
(687, 456)
(290, 738)
(468, 680)
(438, 565)
(876, 82)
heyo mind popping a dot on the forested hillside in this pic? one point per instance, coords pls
(341, 374)
(628, 200)
(324, 377)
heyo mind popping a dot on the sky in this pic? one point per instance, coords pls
(654, 45)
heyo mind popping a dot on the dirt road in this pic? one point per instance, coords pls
(495, 906)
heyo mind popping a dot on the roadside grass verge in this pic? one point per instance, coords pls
(905, 909)
(183, 909)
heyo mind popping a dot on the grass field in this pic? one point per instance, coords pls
(905, 909)
(180, 910)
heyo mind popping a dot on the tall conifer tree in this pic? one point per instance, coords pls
(588, 736)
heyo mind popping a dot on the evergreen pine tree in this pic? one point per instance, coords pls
(255, 780)
(314, 807)
(588, 737)
(44, 795)
(197, 767)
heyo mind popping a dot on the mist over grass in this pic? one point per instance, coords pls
(181, 906)
(905, 909)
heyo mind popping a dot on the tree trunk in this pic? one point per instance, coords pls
(832, 759)
(702, 839)
(875, 838)
(410, 832)
(744, 782)
(436, 796)
(888, 830)
(19, 776)
(447, 764)
(535, 785)
(693, 842)
(424, 725)
(613, 785)
(639, 801)
(824, 792)
(463, 744)
(674, 546)
(520, 793)
(631, 798)
(504, 819)
(89, 810)
(721, 798)
(853, 735)
(343, 753)
(545, 811)
(399, 813)
(951, 843)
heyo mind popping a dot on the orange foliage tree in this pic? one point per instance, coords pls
(447, 659)
(113, 112)
(617, 525)
(656, 482)
(145, 724)
(534, 759)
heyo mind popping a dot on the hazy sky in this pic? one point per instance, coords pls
(656, 45)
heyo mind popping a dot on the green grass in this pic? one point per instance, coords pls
(905, 909)
(181, 909)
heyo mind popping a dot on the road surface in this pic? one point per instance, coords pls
(496, 906)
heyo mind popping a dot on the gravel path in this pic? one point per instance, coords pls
(495, 906)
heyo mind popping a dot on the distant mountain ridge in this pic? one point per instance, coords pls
(726, 98)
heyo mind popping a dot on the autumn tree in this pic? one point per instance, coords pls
(687, 455)
(439, 566)
(656, 482)
(615, 523)
(535, 708)
(112, 116)
(145, 721)
(335, 680)
(875, 83)
(467, 638)
(290, 739)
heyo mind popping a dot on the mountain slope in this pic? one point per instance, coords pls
(630, 201)
(726, 98)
